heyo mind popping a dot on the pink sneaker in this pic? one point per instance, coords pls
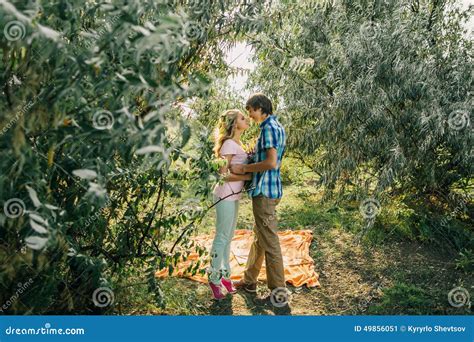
(227, 283)
(216, 291)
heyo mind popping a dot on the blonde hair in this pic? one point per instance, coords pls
(225, 128)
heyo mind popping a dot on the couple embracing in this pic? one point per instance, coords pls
(266, 192)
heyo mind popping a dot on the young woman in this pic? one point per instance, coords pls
(232, 124)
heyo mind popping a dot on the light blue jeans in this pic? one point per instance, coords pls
(226, 221)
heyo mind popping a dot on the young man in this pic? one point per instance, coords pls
(266, 195)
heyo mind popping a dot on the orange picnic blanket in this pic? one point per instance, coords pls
(299, 266)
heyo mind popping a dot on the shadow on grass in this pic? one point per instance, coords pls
(222, 307)
(251, 306)
(265, 308)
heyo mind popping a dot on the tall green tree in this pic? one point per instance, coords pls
(92, 144)
(378, 93)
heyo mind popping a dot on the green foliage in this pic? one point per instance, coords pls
(295, 171)
(465, 261)
(373, 88)
(377, 98)
(406, 299)
(93, 143)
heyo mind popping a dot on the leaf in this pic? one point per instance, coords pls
(36, 242)
(33, 196)
(12, 9)
(97, 189)
(85, 173)
(38, 219)
(121, 77)
(38, 228)
(49, 32)
(141, 29)
(186, 135)
(149, 149)
(51, 207)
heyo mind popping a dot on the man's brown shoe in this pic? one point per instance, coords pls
(241, 285)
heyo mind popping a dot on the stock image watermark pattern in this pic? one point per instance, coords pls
(14, 30)
(103, 296)
(458, 120)
(369, 208)
(46, 330)
(14, 208)
(280, 297)
(21, 288)
(459, 297)
(103, 120)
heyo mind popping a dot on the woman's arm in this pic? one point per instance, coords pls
(225, 169)
(269, 163)
(232, 177)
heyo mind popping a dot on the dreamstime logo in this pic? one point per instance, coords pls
(362, 306)
(280, 297)
(21, 287)
(24, 109)
(460, 207)
(94, 36)
(46, 330)
(97, 214)
(14, 30)
(103, 119)
(458, 120)
(198, 6)
(459, 297)
(369, 208)
(267, 220)
(193, 31)
(102, 297)
(14, 208)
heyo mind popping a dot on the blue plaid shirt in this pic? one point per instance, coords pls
(268, 183)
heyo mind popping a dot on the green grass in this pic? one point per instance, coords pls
(405, 299)
(389, 272)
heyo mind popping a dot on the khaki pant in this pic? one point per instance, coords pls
(265, 244)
